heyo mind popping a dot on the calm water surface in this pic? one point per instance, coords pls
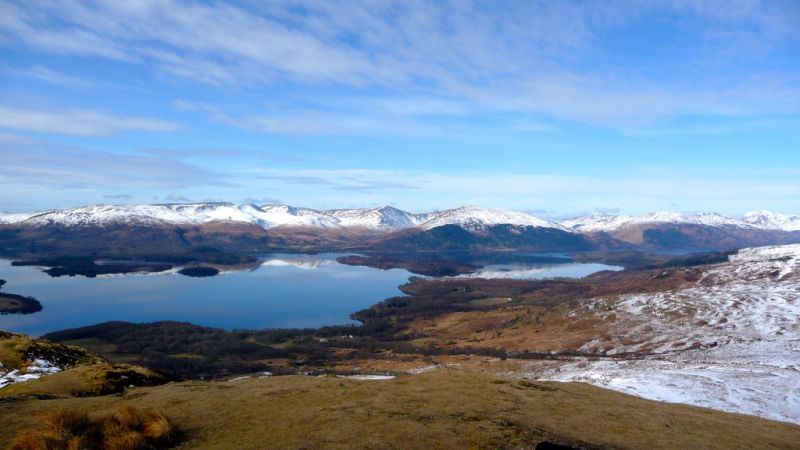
(284, 291)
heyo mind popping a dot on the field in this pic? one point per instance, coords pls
(446, 408)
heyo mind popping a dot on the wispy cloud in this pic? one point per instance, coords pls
(262, 201)
(48, 165)
(176, 198)
(355, 181)
(523, 57)
(77, 122)
(46, 74)
(183, 153)
(118, 196)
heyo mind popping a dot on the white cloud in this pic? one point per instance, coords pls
(77, 122)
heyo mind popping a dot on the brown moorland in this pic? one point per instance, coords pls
(446, 408)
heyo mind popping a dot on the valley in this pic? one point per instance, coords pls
(611, 329)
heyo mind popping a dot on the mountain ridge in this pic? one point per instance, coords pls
(384, 218)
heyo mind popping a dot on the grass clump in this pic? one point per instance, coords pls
(126, 428)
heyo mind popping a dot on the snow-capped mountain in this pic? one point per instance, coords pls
(474, 218)
(385, 218)
(773, 221)
(597, 222)
(267, 216)
(608, 222)
(277, 215)
(6, 217)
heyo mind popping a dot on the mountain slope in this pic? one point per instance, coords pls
(730, 339)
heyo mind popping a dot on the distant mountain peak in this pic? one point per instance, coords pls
(772, 220)
(607, 222)
(384, 218)
(475, 218)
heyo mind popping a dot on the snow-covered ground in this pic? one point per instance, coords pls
(732, 342)
(368, 377)
(35, 370)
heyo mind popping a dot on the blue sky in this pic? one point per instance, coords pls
(553, 107)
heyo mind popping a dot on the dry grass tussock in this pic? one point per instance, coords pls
(126, 428)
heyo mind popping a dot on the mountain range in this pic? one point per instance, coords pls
(254, 228)
(384, 218)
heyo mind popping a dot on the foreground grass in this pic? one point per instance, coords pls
(446, 408)
(127, 428)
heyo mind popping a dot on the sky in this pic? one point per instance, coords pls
(556, 108)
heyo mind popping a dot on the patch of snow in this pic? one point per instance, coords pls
(368, 377)
(37, 369)
(244, 377)
(423, 369)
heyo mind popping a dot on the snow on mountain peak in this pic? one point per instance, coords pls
(476, 218)
(772, 220)
(385, 218)
(605, 222)
(596, 222)
(277, 215)
(183, 213)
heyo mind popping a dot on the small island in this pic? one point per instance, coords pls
(17, 304)
(199, 271)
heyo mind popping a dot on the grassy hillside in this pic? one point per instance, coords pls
(447, 408)
(80, 372)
